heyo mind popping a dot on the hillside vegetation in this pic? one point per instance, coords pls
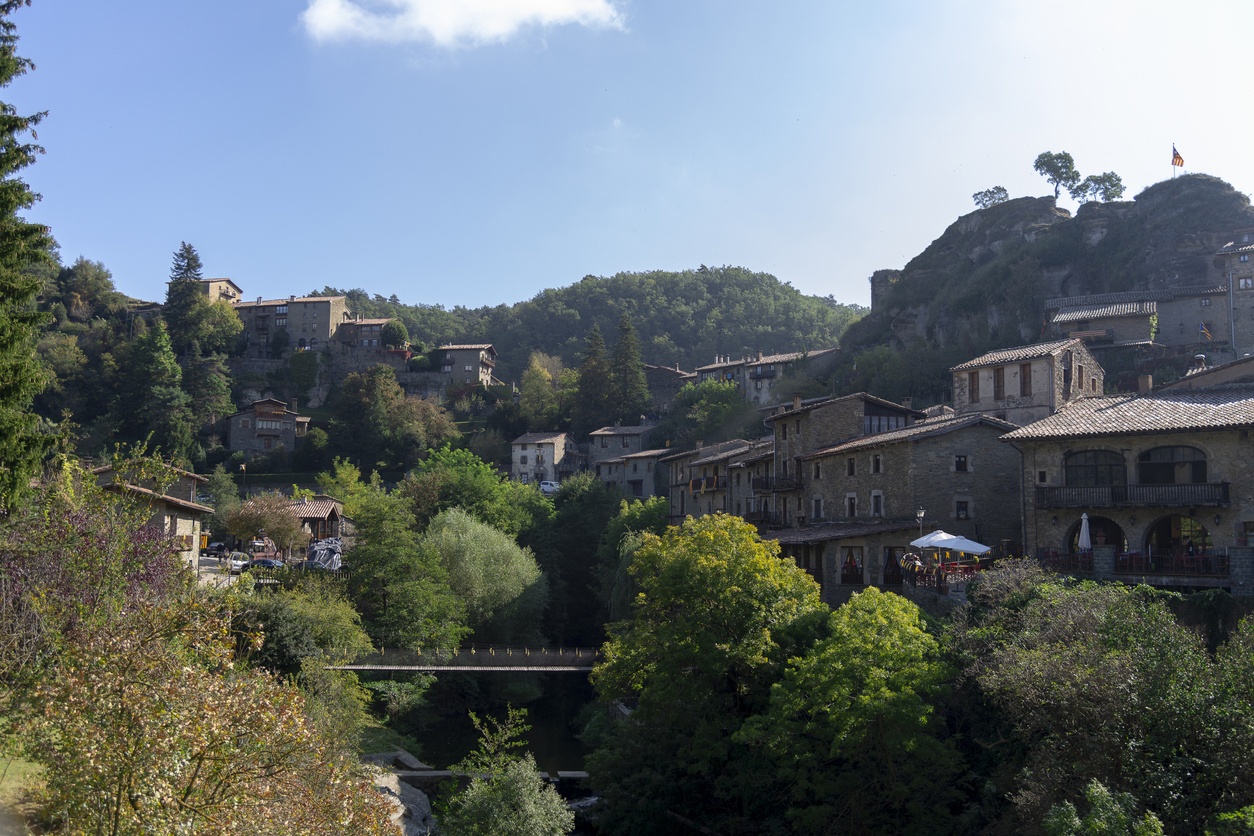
(686, 317)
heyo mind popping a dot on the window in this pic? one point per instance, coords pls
(635, 468)
(1042, 477)
(797, 428)
(1243, 258)
(1094, 468)
(960, 464)
(1205, 303)
(523, 445)
(1079, 377)
(280, 322)
(1025, 380)
(626, 442)
(877, 504)
(1172, 466)
(962, 509)
(469, 368)
(783, 432)
(522, 459)
(818, 509)
(446, 369)
(243, 423)
(999, 383)
(851, 466)
(877, 464)
(1245, 283)
(605, 442)
(281, 309)
(973, 387)
(524, 478)
(851, 506)
(818, 471)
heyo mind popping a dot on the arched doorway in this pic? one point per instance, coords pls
(1103, 531)
(1177, 536)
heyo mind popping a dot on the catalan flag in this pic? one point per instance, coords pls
(1176, 159)
(1204, 331)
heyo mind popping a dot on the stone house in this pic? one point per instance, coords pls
(468, 364)
(748, 478)
(1027, 383)
(664, 384)
(221, 290)
(758, 376)
(1165, 479)
(689, 493)
(616, 442)
(544, 457)
(1115, 323)
(634, 473)
(310, 322)
(807, 426)
(176, 509)
(265, 427)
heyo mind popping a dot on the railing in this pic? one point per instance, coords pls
(1212, 564)
(770, 519)
(763, 483)
(758, 375)
(1110, 496)
(1077, 563)
(707, 483)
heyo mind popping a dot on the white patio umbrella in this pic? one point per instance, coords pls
(1085, 542)
(950, 542)
(930, 539)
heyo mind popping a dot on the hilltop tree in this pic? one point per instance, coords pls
(629, 391)
(22, 446)
(394, 334)
(1101, 187)
(378, 425)
(1058, 170)
(191, 315)
(991, 197)
(187, 265)
(537, 397)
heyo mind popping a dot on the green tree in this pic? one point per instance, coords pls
(506, 795)
(537, 397)
(207, 382)
(717, 618)
(268, 514)
(149, 398)
(22, 445)
(400, 589)
(710, 411)
(1109, 814)
(629, 391)
(186, 265)
(1101, 187)
(450, 478)
(499, 582)
(377, 424)
(394, 334)
(190, 315)
(1058, 170)
(619, 542)
(594, 405)
(991, 197)
(852, 727)
(86, 289)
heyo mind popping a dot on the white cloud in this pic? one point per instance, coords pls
(448, 23)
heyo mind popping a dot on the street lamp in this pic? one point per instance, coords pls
(918, 515)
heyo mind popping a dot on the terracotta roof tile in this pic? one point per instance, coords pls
(1016, 354)
(1179, 410)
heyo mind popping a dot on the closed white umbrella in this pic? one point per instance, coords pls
(1084, 543)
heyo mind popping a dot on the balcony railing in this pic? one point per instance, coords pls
(1113, 496)
(707, 483)
(1212, 564)
(767, 518)
(759, 374)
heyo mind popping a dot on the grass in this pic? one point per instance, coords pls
(383, 739)
(19, 781)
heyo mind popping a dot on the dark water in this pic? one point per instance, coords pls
(554, 718)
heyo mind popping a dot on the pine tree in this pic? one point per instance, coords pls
(22, 446)
(593, 407)
(184, 299)
(187, 264)
(629, 391)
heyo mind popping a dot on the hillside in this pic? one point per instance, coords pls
(983, 283)
(686, 317)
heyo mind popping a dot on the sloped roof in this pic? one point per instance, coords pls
(267, 302)
(539, 438)
(318, 508)
(633, 430)
(1017, 354)
(915, 432)
(1166, 294)
(186, 505)
(766, 358)
(807, 406)
(648, 454)
(1114, 310)
(467, 347)
(1178, 410)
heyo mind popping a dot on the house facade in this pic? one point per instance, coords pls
(1164, 480)
(221, 290)
(544, 457)
(267, 426)
(309, 321)
(758, 376)
(174, 508)
(1027, 383)
(468, 364)
(634, 474)
(616, 442)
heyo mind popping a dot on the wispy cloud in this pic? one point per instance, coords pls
(448, 23)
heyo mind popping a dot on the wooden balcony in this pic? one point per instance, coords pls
(1133, 496)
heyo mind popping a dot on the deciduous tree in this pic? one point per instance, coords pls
(991, 197)
(1058, 170)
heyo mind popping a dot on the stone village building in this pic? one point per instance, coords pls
(544, 457)
(266, 426)
(175, 509)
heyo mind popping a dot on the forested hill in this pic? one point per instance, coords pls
(685, 318)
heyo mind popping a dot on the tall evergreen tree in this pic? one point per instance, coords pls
(186, 264)
(22, 446)
(629, 391)
(149, 396)
(184, 299)
(593, 404)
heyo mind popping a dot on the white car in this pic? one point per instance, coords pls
(236, 561)
(549, 488)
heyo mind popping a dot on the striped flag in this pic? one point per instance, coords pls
(1204, 331)
(1176, 159)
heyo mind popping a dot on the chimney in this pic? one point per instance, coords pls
(907, 402)
(700, 444)
(796, 401)
(293, 406)
(759, 355)
(292, 298)
(258, 300)
(1144, 383)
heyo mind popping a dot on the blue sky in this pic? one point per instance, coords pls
(475, 152)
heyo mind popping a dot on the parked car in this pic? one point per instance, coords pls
(549, 488)
(236, 561)
(215, 549)
(264, 563)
